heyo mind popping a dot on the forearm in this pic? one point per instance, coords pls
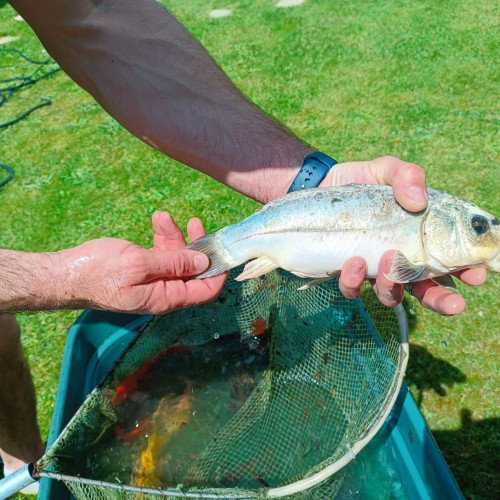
(29, 281)
(150, 74)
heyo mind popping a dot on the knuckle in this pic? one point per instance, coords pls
(387, 162)
(388, 159)
(414, 171)
(179, 264)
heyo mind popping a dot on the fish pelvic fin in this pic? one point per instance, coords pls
(256, 268)
(212, 247)
(311, 283)
(403, 271)
(447, 282)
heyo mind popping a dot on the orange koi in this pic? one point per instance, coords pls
(139, 430)
(130, 385)
(259, 326)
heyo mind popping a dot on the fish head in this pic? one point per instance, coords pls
(458, 234)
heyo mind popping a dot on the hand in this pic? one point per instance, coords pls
(408, 182)
(117, 275)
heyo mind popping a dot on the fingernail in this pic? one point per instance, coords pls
(387, 264)
(358, 266)
(417, 195)
(200, 262)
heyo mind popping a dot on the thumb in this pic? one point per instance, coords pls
(406, 179)
(175, 264)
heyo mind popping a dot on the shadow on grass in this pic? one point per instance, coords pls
(473, 451)
(473, 455)
(428, 372)
(3, 3)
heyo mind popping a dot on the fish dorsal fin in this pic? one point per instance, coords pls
(447, 282)
(403, 271)
(256, 268)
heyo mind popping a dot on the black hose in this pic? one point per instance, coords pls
(8, 91)
(10, 173)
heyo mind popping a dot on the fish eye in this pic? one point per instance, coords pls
(495, 222)
(479, 224)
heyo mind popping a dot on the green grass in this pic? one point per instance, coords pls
(415, 79)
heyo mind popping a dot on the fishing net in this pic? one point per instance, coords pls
(266, 392)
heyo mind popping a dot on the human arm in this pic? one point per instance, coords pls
(149, 73)
(110, 274)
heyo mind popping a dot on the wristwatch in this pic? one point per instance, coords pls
(312, 172)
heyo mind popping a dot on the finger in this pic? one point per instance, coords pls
(438, 299)
(407, 181)
(352, 277)
(388, 292)
(195, 229)
(177, 294)
(168, 235)
(474, 276)
(173, 264)
(205, 290)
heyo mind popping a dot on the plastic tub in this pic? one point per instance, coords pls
(97, 339)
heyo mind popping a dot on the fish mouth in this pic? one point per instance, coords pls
(494, 263)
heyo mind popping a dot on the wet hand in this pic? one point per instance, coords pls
(118, 275)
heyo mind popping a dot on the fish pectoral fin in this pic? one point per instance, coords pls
(313, 282)
(256, 268)
(403, 271)
(446, 281)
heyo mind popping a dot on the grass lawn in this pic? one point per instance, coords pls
(415, 79)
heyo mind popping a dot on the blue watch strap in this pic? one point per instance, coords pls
(312, 172)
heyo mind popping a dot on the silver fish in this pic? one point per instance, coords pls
(311, 233)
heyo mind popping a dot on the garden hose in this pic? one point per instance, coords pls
(10, 175)
(15, 84)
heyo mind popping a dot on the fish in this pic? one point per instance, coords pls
(171, 415)
(145, 472)
(129, 387)
(311, 233)
(259, 327)
(127, 435)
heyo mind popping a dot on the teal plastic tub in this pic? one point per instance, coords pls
(97, 339)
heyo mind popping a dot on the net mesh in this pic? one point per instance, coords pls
(254, 395)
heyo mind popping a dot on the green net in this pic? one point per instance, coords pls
(266, 392)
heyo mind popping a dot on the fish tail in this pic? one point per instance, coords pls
(212, 246)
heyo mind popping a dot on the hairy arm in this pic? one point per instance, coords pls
(27, 281)
(150, 74)
(111, 274)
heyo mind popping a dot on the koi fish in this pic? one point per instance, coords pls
(128, 388)
(167, 420)
(259, 326)
(129, 435)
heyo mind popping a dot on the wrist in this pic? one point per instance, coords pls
(270, 172)
(72, 287)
